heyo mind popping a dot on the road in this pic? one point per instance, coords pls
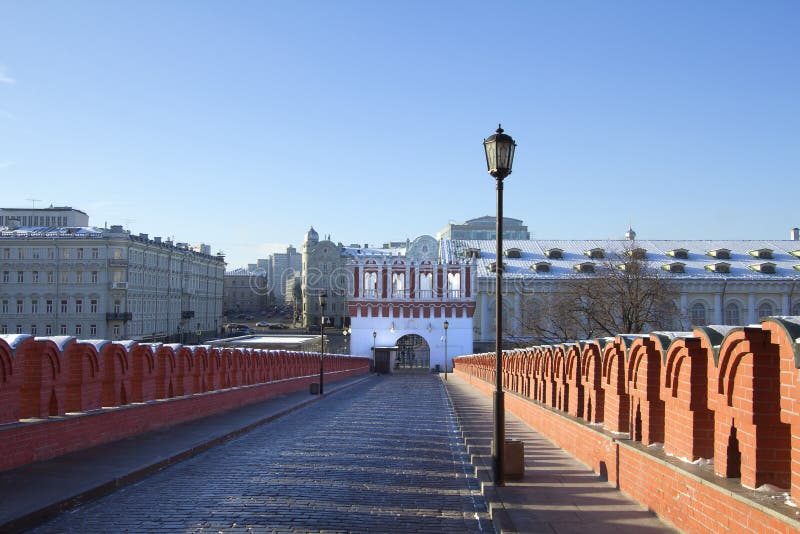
(382, 456)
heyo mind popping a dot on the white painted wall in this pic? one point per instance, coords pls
(459, 336)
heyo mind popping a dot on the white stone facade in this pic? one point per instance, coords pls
(107, 284)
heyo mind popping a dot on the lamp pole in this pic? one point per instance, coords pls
(446, 324)
(499, 150)
(323, 299)
(374, 335)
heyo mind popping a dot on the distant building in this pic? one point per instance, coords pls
(246, 291)
(54, 216)
(96, 283)
(281, 267)
(484, 228)
(323, 271)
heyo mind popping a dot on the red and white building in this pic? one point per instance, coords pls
(402, 297)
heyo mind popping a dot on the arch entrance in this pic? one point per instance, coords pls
(413, 352)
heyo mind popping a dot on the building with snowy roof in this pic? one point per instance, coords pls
(106, 283)
(733, 282)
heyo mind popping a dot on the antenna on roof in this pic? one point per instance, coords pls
(33, 202)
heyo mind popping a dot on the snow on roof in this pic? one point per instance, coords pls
(378, 252)
(742, 262)
(52, 231)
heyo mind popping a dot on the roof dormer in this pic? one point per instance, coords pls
(719, 267)
(795, 253)
(679, 253)
(720, 253)
(596, 253)
(762, 253)
(554, 253)
(584, 267)
(637, 253)
(764, 268)
(513, 252)
(493, 267)
(675, 267)
(541, 266)
(472, 253)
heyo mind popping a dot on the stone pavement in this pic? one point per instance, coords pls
(558, 493)
(383, 455)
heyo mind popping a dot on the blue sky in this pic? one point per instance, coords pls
(240, 124)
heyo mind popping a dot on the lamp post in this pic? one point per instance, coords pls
(323, 300)
(374, 335)
(446, 324)
(499, 158)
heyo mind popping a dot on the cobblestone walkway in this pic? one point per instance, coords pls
(382, 456)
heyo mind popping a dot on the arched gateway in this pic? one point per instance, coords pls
(413, 352)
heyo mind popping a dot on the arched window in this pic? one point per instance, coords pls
(398, 284)
(765, 309)
(732, 314)
(454, 284)
(426, 285)
(370, 284)
(698, 314)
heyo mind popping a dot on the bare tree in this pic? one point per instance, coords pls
(623, 294)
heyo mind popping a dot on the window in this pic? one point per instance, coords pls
(79, 306)
(116, 331)
(65, 255)
(762, 253)
(675, 267)
(554, 253)
(49, 306)
(34, 330)
(796, 308)
(19, 329)
(6, 253)
(34, 306)
(585, 267)
(35, 253)
(720, 253)
(20, 306)
(35, 277)
(20, 277)
(637, 253)
(3, 329)
(117, 306)
(64, 307)
(48, 330)
(50, 277)
(51, 254)
(5, 277)
(93, 306)
(732, 314)
(95, 253)
(92, 329)
(4, 306)
(65, 277)
(63, 330)
(765, 309)
(78, 329)
(720, 267)
(94, 277)
(21, 253)
(596, 253)
(80, 253)
(513, 253)
(698, 314)
(679, 253)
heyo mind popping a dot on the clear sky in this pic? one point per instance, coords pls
(240, 124)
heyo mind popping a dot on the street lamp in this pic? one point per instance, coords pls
(499, 158)
(323, 300)
(446, 324)
(374, 335)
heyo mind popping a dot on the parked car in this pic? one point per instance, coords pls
(278, 326)
(264, 324)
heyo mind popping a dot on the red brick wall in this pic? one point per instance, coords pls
(40, 378)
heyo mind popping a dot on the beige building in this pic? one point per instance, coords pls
(323, 270)
(245, 291)
(99, 283)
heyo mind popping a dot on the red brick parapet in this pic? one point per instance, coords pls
(725, 395)
(59, 395)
